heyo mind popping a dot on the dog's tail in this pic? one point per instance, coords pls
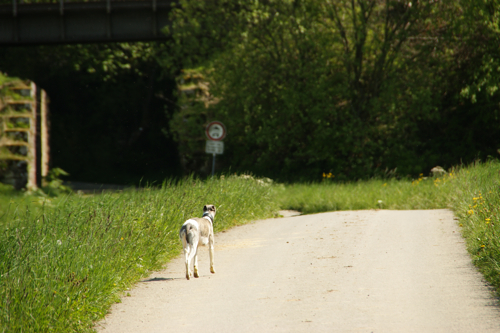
(190, 234)
(187, 233)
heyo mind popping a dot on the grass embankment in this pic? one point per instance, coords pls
(372, 194)
(476, 202)
(472, 192)
(64, 262)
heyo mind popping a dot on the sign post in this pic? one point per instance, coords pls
(216, 132)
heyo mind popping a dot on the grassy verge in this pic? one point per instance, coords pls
(13, 203)
(423, 193)
(476, 202)
(63, 263)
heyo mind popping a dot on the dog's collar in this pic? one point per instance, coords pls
(207, 214)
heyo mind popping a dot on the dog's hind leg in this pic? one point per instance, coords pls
(191, 256)
(188, 261)
(196, 275)
(186, 246)
(211, 251)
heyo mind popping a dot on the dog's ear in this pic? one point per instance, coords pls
(205, 208)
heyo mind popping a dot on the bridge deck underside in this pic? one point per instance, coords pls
(83, 22)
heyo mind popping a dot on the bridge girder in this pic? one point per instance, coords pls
(83, 22)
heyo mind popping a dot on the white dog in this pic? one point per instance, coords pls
(198, 231)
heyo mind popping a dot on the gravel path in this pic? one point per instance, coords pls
(356, 271)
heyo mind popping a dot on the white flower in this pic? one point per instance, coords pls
(59, 242)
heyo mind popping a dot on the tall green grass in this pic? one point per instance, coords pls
(476, 202)
(63, 264)
(422, 193)
(13, 203)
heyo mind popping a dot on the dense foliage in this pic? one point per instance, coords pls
(356, 88)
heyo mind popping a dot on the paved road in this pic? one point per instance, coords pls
(357, 271)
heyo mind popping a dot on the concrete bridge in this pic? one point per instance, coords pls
(82, 22)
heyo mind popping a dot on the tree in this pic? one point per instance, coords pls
(313, 86)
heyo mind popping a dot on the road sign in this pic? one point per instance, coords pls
(216, 131)
(214, 147)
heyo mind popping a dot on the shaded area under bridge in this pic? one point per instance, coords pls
(82, 22)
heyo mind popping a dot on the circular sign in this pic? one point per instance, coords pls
(215, 131)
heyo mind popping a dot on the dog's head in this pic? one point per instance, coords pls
(210, 209)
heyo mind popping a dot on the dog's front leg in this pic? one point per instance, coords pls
(211, 251)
